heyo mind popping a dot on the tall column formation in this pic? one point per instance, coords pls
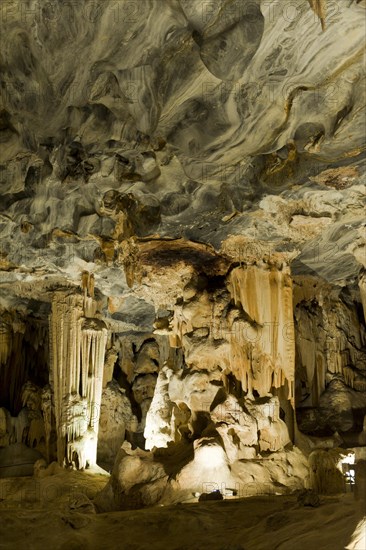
(78, 345)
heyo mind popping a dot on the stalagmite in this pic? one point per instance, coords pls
(78, 347)
(325, 476)
(17, 426)
(159, 430)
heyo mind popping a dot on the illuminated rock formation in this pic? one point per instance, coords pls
(78, 347)
(183, 243)
(266, 342)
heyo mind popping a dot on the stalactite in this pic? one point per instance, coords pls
(336, 351)
(349, 376)
(46, 406)
(5, 342)
(13, 362)
(78, 347)
(4, 434)
(180, 325)
(268, 357)
(85, 281)
(91, 285)
(88, 287)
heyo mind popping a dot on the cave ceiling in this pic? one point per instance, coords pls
(141, 139)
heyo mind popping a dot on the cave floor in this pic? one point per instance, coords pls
(35, 514)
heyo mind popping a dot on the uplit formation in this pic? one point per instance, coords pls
(78, 343)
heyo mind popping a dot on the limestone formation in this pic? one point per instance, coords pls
(183, 257)
(78, 347)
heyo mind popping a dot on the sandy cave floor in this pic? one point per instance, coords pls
(35, 514)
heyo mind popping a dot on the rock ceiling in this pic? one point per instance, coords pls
(178, 119)
(183, 184)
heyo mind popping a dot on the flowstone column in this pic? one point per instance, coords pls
(77, 344)
(263, 348)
